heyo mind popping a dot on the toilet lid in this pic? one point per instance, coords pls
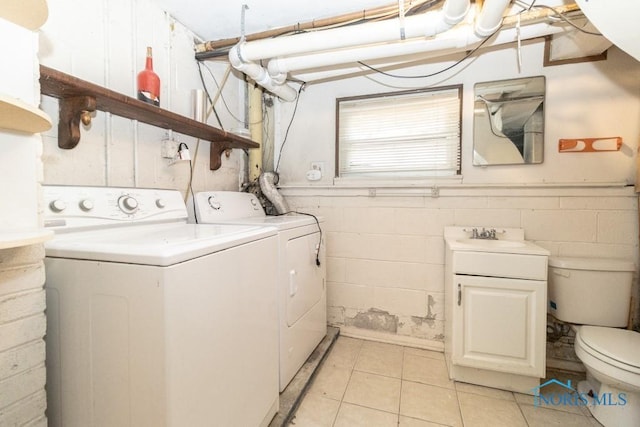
(620, 345)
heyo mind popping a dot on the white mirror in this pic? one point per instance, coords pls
(508, 122)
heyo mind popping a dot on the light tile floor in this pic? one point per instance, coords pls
(365, 383)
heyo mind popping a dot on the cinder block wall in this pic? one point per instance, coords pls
(385, 254)
(22, 328)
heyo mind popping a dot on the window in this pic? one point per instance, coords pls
(407, 134)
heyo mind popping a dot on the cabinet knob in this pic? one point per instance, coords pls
(459, 294)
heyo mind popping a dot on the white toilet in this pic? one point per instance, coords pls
(596, 294)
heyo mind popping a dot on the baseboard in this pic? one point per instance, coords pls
(350, 331)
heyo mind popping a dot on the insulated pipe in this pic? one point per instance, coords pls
(426, 24)
(490, 17)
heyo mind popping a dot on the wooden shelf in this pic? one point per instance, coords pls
(30, 14)
(79, 97)
(20, 116)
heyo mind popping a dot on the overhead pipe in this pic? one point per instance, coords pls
(490, 17)
(260, 76)
(424, 25)
(424, 48)
(430, 24)
(243, 54)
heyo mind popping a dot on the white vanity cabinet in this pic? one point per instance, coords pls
(495, 313)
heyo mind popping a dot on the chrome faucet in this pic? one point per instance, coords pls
(484, 234)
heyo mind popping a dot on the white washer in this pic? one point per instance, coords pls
(153, 321)
(301, 271)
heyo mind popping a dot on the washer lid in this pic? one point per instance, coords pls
(596, 264)
(620, 345)
(156, 245)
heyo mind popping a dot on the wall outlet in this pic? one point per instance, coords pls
(169, 148)
(318, 166)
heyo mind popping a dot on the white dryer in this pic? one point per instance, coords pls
(153, 321)
(302, 297)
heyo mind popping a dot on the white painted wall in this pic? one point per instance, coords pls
(105, 42)
(591, 99)
(386, 251)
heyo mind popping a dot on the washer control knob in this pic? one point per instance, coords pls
(86, 205)
(128, 204)
(57, 205)
(254, 202)
(215, 205)
(161, 203)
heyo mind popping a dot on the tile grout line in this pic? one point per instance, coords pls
(348, 381)
(404, 352)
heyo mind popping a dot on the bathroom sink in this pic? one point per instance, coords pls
(509, 246)
(487, 243)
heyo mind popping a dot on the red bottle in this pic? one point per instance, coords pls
(149, 83)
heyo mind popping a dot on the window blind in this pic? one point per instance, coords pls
(412, 134)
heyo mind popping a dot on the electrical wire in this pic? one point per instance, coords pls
(319, 230)
(470, 53)
(565, 19)
(224, 101)
(560, 15)
(284, 141)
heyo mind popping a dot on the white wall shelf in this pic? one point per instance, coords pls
(20, 116)
(30, 14)
(14, 239)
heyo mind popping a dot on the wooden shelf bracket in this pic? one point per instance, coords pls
(79, 98)
(73, 110)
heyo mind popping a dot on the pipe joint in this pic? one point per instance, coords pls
(454, 11)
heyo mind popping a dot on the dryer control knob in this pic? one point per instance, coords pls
(127, 204)
(161, 204)
(57, 205)
(215, 205)
(86, 205)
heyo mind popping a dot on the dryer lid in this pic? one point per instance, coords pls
(617, 344)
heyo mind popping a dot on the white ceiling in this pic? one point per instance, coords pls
(214, 20)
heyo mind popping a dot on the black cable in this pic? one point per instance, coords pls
(319, 230)
(471, 52)
(295, 109)
(565, 19)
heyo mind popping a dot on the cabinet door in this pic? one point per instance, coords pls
(500, 324)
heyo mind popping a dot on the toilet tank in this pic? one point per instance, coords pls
(590, 291)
